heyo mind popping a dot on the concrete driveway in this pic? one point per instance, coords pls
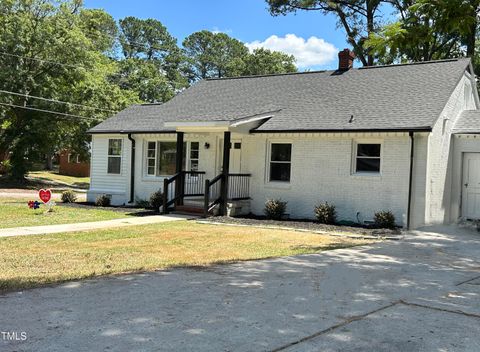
(420, 294)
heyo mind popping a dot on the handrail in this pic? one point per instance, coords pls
(166, 183)
(182, 188)
(208, 184)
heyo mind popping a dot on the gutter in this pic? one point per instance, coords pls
(132, 170)
(410, 182)
(418, 129)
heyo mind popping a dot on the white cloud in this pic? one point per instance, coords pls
(217, 30)
(309, 53)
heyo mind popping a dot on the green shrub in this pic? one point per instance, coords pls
(142, 203)
(69, 196)
(275, 209)
(156, 200)
(326, 213)
(6, 167)
(103, 200)
(384, 219)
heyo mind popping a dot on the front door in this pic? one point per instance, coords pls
(235, 156)
(471, 186)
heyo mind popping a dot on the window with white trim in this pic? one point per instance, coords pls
(368, 158)
(114, 156)
(194, 156)
(151, 158)
(280, 162)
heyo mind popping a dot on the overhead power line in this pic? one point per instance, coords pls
(54, 62)
(50, 112)
(40, 60)
(55, 101)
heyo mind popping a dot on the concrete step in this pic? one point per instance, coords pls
(188, 210)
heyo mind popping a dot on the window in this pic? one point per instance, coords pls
(114, 156)
(194, 156)
(73, 158)
(367, 158)
(160, 157)
(167, 152)
(280, 162)
(151, 158)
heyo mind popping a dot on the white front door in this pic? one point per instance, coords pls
(235, 156)
(471, 186)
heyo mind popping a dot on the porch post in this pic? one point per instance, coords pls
(225, 169)
(179, 183)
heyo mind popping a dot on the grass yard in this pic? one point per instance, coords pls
(42, 176)
(37, 260)
(15, 213)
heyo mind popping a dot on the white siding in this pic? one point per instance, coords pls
(101, 181)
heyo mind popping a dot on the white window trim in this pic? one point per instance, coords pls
(116, 156)
(146, 176)
(146, 158)
(277, 184)
(354, 171)
(69, 158)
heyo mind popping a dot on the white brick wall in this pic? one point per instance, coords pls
(322, 171)
(440, 157)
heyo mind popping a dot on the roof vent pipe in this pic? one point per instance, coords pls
(345, 60)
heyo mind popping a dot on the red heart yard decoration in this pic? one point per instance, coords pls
(45, 195)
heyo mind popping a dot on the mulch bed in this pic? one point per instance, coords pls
(306, 225)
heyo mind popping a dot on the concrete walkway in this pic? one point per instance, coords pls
(419, 294)
(86, 226)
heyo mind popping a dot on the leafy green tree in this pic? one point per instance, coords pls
(359, 18)
(263, 62)
(153, 65)
(54, 50)
(213, 54)
(428, 30)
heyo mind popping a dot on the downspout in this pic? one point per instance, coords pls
(132, 170)
(410, 182)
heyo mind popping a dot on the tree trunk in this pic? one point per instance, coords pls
(472, 35)
(49, 162)
(370, 27)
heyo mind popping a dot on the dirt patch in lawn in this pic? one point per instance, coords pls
(305, 225)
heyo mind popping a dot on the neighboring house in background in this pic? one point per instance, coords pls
(71, 164)
(404, 138)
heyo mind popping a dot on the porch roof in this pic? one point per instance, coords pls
(468, 122)
(395, 97)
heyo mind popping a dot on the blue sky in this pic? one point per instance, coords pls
(246, 20)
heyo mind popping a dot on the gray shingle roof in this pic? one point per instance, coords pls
(468, 122)
(392, 97)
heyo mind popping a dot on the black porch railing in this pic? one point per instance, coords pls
(181, 185)
(237, 188)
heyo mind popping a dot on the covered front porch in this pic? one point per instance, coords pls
(221, 191)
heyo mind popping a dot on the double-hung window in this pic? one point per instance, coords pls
(368, 158)
(151, 158)
(194, 156)
(114, 156)
(280, 162)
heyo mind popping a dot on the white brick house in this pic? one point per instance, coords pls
(404, 138)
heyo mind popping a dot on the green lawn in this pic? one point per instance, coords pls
(37, 260)
(16, 213)
(41, 176)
